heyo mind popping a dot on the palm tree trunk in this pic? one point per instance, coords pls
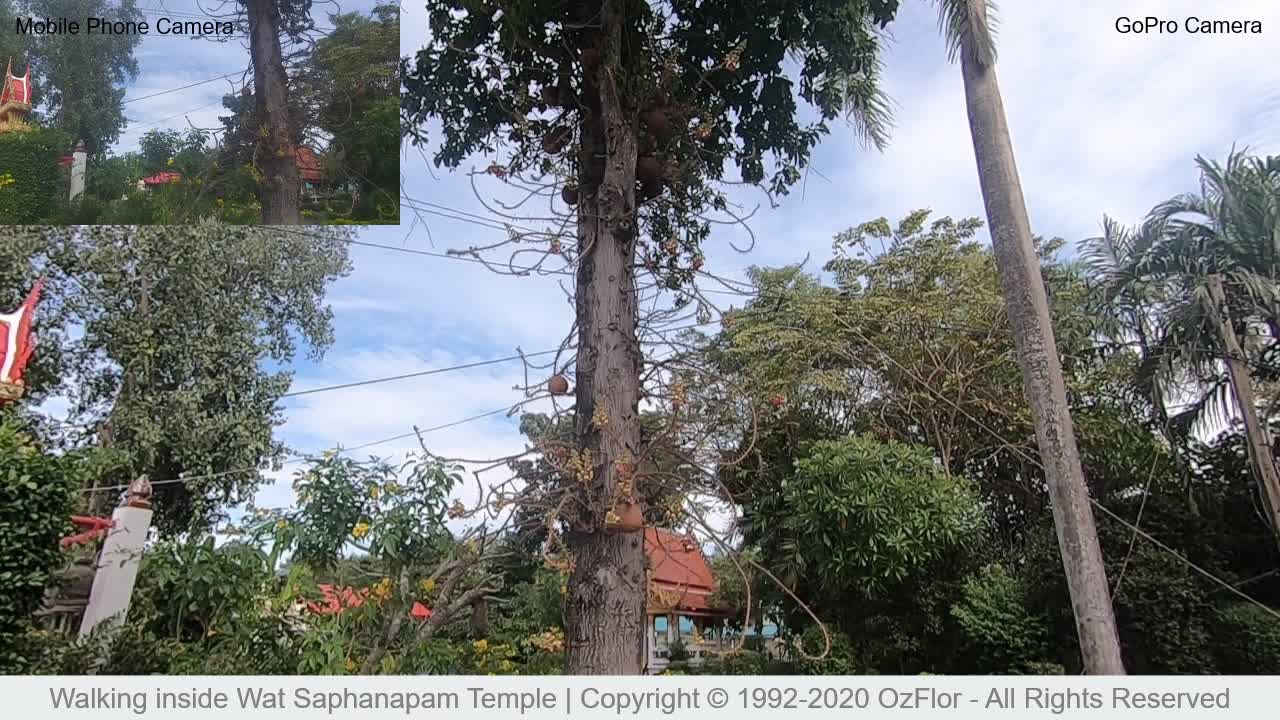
(1028, 308)
(1256, 438)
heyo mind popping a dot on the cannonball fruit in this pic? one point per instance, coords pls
(558, 385)
(569, 194)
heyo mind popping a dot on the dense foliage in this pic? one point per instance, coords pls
(31, 183)
(176, 326)
(36, 495)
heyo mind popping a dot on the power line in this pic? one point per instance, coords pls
(434, 371)
(184, 87)
(184, 112)
(300, 456)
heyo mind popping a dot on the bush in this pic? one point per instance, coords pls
(30, 178)
(1000, 636)
(745, 662)
(1248, 641)
(36, 495)
(840, 659)
(677, 652)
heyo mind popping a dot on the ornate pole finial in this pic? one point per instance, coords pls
(139, 493)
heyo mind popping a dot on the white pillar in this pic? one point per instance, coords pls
(118, 567)
(79, 161)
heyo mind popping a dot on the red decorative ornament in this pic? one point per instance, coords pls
(777, 401)
(17, 344)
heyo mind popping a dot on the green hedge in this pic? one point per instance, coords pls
(36, 494)
(30, 179)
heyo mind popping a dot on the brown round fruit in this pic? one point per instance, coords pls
(569, 195)
(648, 168)
(558, 385)
(658, 123)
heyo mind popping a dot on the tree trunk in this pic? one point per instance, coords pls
(605, 603)
(1260, 455)
(1028, 308)
(281, 185)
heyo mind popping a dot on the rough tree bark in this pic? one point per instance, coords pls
(1028, 308)
(281, 186)
(607, 588)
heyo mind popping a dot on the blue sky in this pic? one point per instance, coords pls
(1101, 122)
(168, 61)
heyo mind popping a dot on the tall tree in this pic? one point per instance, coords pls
(79, 79)
(349, 87)
(178, 325)
(634, 111)
(969, 34)
(1223, 235)
(275, 157)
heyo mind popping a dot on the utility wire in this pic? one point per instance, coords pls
(184, 87)
(434, 371)
(296, 457)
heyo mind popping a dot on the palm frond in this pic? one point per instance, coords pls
(867, 107)
(969, 26)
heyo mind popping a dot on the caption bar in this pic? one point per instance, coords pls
(706, 698)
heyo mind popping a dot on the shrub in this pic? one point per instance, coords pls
(840, 658)
(1248, 641)
(36, 494)
(30, 178)
(1000, 636)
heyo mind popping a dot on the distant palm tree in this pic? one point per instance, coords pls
(1229, 233)
(1231, 228)
(968, 29)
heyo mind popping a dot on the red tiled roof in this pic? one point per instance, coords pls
(679, 570)
(309, 166)
(16, 89)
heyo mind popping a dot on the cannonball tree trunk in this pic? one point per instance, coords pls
(607, 588)
(281, 184)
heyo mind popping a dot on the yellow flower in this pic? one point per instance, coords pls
(428, 585)
(170, 161)
(481, 645)
(506, 666)
(351, 665)
(282, 524)
(393, 488)
(374, 491)
(382, 590)
(360, 530)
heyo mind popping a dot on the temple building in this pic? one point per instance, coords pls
(682, 612)
(15, 101)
